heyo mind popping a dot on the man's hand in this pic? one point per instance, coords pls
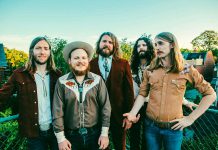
(182, 123)
(103, 142)
(190, 105)
(132, 118)
(127, 124)
(65, 145)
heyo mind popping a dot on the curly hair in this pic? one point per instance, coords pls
(117, 52)
(135, 60)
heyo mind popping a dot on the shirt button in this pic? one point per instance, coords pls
(23, 83)
(35, 102)
(34, 91)
(35, 113)
(36, 124)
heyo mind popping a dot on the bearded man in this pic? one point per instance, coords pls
(34, 85)
(142, 55)
(117, 76)
(81, 103)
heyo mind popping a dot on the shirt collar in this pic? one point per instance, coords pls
(46, 73)
(167, 69)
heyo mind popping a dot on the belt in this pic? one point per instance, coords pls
(162, 125)
(83, 131)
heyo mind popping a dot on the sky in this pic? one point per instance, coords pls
(85, 20)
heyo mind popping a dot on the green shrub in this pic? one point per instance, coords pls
(9, 137)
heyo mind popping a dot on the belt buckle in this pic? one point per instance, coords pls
(83, 131)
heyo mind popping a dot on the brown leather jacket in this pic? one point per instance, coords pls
(23, 83)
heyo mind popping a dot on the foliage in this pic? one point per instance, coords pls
(15, 58)
(215, 55)
(208, 40)
(185, 50)
(126, 48)
(9, 137)
(6, 113)
(57, 49)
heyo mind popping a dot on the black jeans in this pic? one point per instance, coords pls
(137, 137)
(45, 141)
(88, 141)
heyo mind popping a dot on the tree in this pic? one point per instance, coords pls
(126, 48)
(183, 50)
(57, 49)
(208, 40)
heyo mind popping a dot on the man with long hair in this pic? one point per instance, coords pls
(34, 85)
(142, 55)
(81, 105)
(165, 82)
(117, 76)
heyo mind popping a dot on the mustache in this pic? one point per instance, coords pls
(105, 47)
(142, 51)
(80, 64)
(159, 51)
(41, 56)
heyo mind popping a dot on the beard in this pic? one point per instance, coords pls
(79, 72)
(39, 62)
(144, 55)
(102, 53)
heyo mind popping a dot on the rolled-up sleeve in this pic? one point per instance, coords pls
(199, 83)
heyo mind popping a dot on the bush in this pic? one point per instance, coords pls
(15, 58)
(9, 137)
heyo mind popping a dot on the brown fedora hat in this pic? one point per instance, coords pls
(77, 45)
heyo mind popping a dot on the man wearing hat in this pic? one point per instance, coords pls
(117, 76)
(81, 108)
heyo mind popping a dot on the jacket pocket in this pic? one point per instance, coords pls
(154, 84)
(180, 84)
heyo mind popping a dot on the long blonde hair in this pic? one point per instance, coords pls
(175, 53)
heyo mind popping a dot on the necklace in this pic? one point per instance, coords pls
(42, 77)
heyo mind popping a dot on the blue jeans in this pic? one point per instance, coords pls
(45, 141)
(157, 137)
(88, 141)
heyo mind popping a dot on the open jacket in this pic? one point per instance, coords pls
(23, 83)
(120, 87)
